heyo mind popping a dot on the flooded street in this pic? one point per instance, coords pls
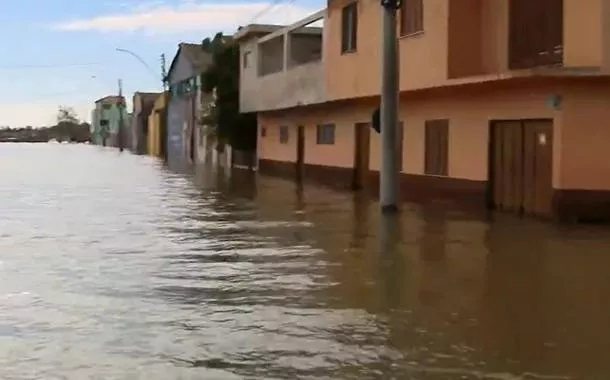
(112, 267)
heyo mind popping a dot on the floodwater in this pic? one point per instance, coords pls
(112, 267)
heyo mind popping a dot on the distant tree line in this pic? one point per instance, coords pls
(68, 128)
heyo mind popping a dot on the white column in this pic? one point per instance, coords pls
(287, 47)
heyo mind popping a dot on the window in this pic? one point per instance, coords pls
(106, 106)
(263, 132)
(325, 134)
(284, 134)
(104, 122)
(411, 17)
(246, 61)
(349, 27)
(437, 147)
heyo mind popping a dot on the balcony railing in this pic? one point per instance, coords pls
(289, 68)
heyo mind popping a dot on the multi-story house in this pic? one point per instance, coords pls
(503, 103)
(184, 102)
(142, 105)
(106, 119)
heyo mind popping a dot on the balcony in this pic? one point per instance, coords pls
(288, 68)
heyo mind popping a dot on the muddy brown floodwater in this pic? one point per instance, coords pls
(113, 267)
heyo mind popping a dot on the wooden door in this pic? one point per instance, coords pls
(507, 165)
(362, 148)
(538, 167)
(522, 166)
(300, 152)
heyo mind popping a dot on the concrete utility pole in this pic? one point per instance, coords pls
(120, 139)
(163, 72)
(389, 109)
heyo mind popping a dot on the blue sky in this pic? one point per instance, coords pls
(62, 52)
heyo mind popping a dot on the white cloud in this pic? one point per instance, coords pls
(156, 18)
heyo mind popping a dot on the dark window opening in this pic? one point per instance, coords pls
(284, 134)
(411, 17)
(437, 147)
(349, 28)
(325, 134)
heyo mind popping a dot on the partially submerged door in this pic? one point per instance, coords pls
(538, 170)
(521, 166)
(508, 165)
(362, 143)
(300, 152)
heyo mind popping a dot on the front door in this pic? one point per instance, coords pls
(538, 167)
(521, 166)
(362, 148)
(300, 152)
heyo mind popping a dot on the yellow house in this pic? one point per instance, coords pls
(157, 127)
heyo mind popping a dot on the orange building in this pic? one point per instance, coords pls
(504, 103)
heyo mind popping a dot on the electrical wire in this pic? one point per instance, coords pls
(57, 65)
(274, 4)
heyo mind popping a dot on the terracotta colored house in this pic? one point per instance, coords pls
(504, 103)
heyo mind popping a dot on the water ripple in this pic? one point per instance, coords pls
(113, 267)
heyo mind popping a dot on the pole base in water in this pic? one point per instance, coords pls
(389, 209)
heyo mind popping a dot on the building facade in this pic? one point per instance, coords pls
(108, 119)
(503, 104)
(142, 105)
(184, 102)
(157, 127)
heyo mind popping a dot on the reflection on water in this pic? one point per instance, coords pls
(112, 267)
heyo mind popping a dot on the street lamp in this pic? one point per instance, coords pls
(139, 59)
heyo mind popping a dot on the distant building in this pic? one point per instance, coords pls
(157, 127)
(128, 129)
(106, 119)
(184, 103)
(142, 105)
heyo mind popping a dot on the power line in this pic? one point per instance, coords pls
(267, 9)
(56, 65)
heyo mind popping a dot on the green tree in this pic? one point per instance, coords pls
(239, 130)
(67, 114)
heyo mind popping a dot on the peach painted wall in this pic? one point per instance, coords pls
(341, 154)
(469, 125)
(581, 154)
(269, 147)
(494, 21)
(469, 118)
(425, 58)
(583, 36)
(465, 39)
(585, 153)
